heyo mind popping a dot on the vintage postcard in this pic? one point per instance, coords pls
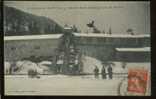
(77, 48)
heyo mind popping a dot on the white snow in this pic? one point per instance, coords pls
(143, 49)
(110, 35)
(45, 66)
(45, 63)
(32, 37)
(68, 85)
(60, 61)
(89, 64)
(7, 66)
(60, 85)
(25, 66)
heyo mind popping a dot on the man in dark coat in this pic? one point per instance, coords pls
(110, 73)
(103, 73)
(96, 72)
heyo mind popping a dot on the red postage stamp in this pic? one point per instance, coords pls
(137, 80)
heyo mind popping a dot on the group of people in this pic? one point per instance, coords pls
(103, 72)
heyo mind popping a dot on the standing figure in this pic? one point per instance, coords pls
(96, 72)
(110, 73)
(103, 73)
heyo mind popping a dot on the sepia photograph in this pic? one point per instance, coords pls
(77, 48)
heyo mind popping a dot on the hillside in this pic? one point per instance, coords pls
(17, 22)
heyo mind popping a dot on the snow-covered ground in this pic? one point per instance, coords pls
(60, 85)
(89, 64)
(71, 85)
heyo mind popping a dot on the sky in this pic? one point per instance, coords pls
(119, 16)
